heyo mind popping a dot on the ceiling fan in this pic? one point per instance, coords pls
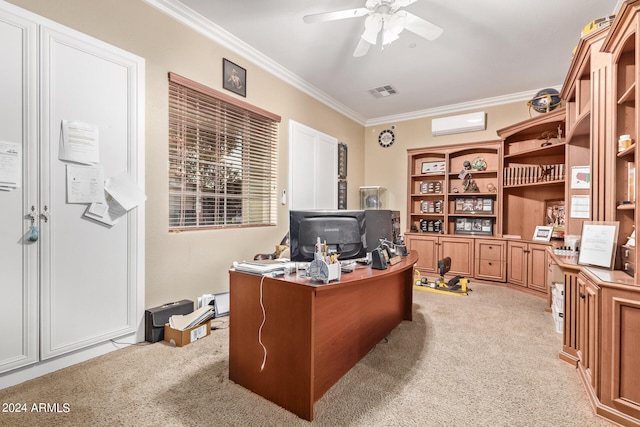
(385, 21)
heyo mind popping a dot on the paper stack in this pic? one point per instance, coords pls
(182, 322)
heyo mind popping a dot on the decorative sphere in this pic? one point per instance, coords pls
(545, 100)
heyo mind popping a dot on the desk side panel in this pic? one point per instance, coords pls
(287, 375)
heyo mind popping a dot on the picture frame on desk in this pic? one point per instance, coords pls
(543, 233)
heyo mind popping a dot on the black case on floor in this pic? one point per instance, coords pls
(156, 317)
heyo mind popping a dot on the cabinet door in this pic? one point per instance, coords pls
(588, 323)
(427, 248)
(461, 252)
(490, 260)
(91, 274)
(517, 263)
(537, 268)
(620, 388)
(18, 147)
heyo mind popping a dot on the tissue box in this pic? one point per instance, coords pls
(182, 338)
(155, 318)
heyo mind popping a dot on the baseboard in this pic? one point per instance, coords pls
(20, 375)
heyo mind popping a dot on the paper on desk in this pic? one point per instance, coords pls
(125, 191)
(79, 142)
(85, 184)
(10, 165)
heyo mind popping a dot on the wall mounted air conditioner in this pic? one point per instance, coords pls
(458, 124)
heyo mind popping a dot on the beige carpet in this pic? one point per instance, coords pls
(487, 359)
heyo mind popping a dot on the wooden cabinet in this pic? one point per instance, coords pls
(432, 248)
(527, 265)
(620, 358)
(569, 352)
(586, 92)
(587, 331)
(491, 261)
(533, 173)
(454, 189)
(601, 337)
(624, 113)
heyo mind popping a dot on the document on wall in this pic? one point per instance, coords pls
(85, 184)
(580, 207)
(125, 191)
(10, 165)
(79, 142)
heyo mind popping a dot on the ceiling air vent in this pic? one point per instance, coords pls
(383, 91)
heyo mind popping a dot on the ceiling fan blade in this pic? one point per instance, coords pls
(362, 48)
(333, 16)
(403, 3)
(421, 27)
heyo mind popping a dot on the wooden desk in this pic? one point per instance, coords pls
(313, 333)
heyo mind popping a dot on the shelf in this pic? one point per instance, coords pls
(629, 94)
(582, 126)
(439, 195)
(535, 184)
(549, 150)
(628, 151)
(472, 194)
(429, 175)
(627, 207)
(474, 173)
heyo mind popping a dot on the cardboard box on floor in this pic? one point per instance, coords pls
(182, 338)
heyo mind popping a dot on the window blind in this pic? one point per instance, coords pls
(222, 160)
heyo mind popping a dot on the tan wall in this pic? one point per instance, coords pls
(186, 265)
(387, 167)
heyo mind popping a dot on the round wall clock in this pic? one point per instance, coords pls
(386, 138)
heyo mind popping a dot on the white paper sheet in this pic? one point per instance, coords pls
(10, 165)
(79, 142)
(85, 184)
(125, 191)
(107, 213)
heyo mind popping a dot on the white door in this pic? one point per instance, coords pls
(90, 273)
(313, 169)
(18, 153)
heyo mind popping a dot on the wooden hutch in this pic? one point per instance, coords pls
(601, 324)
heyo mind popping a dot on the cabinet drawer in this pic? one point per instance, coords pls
(491, 270)
(490, 250)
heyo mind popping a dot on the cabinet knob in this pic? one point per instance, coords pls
(582, 295)
(490, 263)
(490, 247)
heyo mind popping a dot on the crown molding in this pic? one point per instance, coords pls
(456, 108)
(214, 32)
(202, 25)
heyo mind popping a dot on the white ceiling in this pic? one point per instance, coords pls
(491, 51)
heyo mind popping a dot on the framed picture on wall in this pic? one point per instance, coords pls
(342, 160)
(234, 77)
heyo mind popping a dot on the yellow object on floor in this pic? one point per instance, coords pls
(442, 287)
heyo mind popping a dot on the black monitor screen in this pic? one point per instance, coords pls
(342, 230)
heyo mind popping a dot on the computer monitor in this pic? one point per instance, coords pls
(344, 232)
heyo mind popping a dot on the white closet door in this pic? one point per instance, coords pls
(18, 132)
(313, 169)
(90, 272)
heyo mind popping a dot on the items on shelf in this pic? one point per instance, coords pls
(516, 174)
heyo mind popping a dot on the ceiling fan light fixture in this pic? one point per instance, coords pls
(388, 36)
(372, 26)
